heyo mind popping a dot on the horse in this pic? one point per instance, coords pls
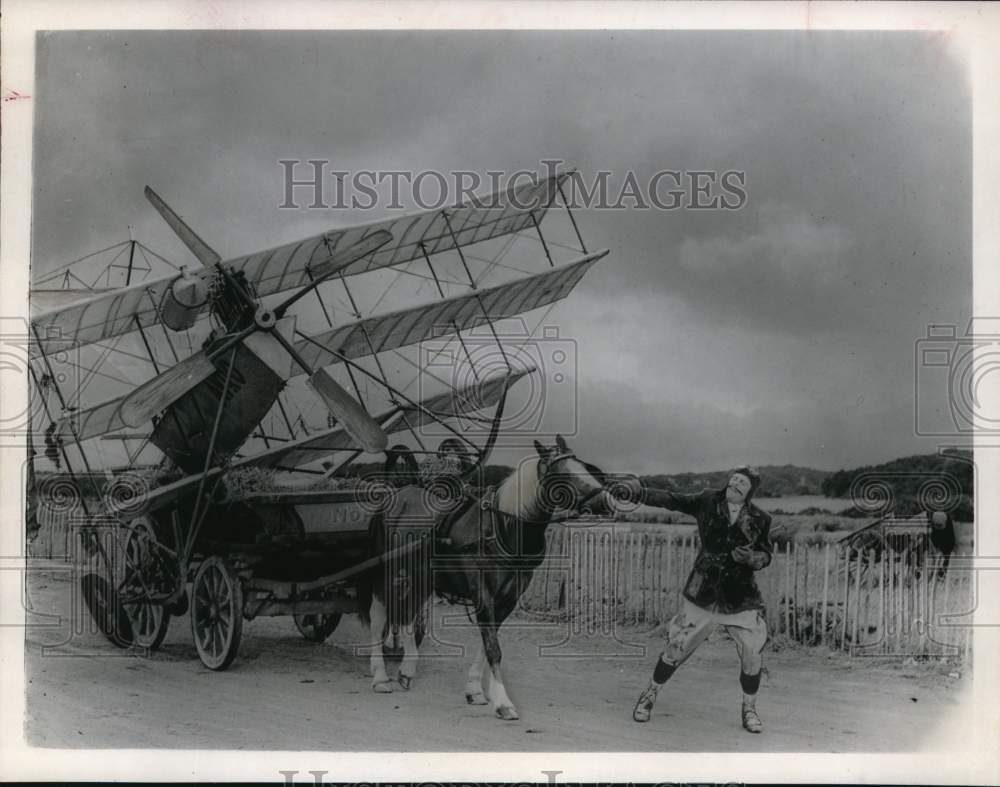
(479, 551)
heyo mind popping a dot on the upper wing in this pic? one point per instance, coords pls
(409, 326)
(296, 264)
(502, 213)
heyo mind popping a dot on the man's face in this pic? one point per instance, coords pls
(738, 488)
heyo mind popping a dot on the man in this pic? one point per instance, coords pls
(720, 589)
(942, 536)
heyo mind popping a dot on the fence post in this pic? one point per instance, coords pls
(630, 596)
(785, 598)
(847, 597)
(590, 575)
(899, 594)
(810, 610)
(794, 548)
(947, 607)
(682, 569)
(774, 616)
(654, 548)
(881, 602)
(826, 585)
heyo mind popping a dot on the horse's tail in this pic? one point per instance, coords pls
(365, 585)
(366, 582)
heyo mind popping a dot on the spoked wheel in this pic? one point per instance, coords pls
(104, 607)
(150, 621)
(317, 628)
(216, 613)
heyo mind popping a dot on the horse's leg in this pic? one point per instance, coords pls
(474, 694)
(411, 651)
(380, 680)
(408, 667)
(489, 628)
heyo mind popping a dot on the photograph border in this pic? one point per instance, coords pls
(971, 29)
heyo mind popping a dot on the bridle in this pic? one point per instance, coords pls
(543, 471)
(595, 471)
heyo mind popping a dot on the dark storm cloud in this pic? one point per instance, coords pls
(783, 330)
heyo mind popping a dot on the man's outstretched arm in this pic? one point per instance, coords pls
(638, 492)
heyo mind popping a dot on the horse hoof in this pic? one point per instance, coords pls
(405, 681)
(384, 687)
(507, 713)
(477, 699)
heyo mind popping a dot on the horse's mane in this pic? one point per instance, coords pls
(518, 492)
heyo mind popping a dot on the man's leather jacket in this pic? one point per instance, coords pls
(717, 581)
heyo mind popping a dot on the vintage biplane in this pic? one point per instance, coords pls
(187, 539)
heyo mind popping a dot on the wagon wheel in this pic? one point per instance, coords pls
(105, 609)
(150, 621)
(216, 612)
(317, 627)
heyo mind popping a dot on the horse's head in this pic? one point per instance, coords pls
(564, 481)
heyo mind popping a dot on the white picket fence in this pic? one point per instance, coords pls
(817, 594)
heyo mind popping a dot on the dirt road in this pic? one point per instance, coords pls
(286, 693)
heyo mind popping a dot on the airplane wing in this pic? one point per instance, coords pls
(293, 265)
(387, 332)
(501, 213)
(441, 318)
(449, 404)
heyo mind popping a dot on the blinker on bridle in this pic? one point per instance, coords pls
(592, 469)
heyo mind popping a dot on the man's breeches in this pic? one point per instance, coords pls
(692, 625)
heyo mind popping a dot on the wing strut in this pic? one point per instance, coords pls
(472, 284)
(378, 363)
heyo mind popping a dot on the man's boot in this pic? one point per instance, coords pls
(751, 720)
(644, 705)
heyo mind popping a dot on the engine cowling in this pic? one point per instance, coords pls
(183, 301)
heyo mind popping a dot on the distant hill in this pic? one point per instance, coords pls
(916, 483)
(775, 480)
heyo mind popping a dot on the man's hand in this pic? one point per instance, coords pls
(748, 557)
(626, 488)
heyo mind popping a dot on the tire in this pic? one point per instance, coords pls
(150, 621)
(216, 613)
(317, 628)
(108, 614)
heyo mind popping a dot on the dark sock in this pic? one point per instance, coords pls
(663, 671)
(750, 683)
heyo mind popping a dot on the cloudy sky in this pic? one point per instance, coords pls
(780, 332)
